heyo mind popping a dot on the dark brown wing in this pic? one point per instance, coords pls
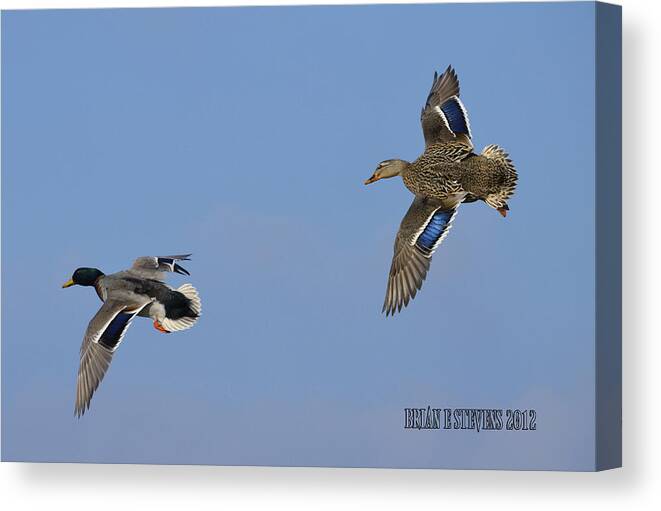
(444, 117)
(423, 228)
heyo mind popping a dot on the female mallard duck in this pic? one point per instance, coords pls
(138, 291)
(446, 174)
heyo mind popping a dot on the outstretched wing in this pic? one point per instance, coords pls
(444, 117)
(155, 267)
(424, 227)
(103, 336)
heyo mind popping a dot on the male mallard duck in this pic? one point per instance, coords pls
(446, 174)
(138, 291)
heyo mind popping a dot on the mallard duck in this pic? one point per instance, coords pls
(446, 174)
(139, 291)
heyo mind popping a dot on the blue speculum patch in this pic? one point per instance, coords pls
(435, 228)
(110, 338)
(455, 116)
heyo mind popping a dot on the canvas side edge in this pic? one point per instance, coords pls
(608, 234)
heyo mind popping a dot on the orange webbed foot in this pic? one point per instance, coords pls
(159, 327)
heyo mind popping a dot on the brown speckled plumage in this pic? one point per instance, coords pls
(436, 172)
(446, 174)
(449, 170)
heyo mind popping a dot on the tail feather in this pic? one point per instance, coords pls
(499, 198)
(195, 305)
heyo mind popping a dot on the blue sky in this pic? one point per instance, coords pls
(244, 136)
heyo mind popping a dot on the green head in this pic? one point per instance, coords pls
(84, 277)
(388, 168)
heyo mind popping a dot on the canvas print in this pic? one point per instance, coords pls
(242, 140)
